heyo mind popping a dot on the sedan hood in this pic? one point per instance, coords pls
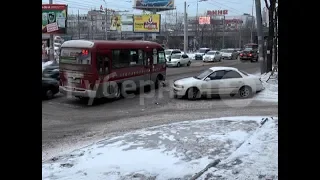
(184, 81)
(227, 54)
(211, 56)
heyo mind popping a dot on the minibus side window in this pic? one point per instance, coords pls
(161, 57)
(102, 64)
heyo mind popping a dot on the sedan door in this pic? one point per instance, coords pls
(184, 59)
(214, 83)
(219, 55)
(232, 82)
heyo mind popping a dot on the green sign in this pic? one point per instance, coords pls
(54, 18)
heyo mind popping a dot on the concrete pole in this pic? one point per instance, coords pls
(106, 23)
(260, 37)
(224, 27)
(51, 48)
(185, 39)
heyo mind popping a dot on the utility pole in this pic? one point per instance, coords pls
(79, 24)
(106, 23)
(224, 27)
(252, 23)
(51, 49)
(185, 39)
(260, 37)
(240, 38)
(197, 31)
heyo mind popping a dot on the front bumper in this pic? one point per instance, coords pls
(172, 63)
(198, 58)
(208, 60)
(179, 91)
(226, 57)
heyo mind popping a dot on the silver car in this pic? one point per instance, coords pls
(212, 56)
(178, 60)
(229, 54)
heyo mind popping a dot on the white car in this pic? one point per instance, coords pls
(212, 56)
(178, 60)
(218, 81)
(169, 52)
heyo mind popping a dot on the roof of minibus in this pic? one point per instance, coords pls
(105, 43)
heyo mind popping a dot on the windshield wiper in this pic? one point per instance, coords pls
(195, 77)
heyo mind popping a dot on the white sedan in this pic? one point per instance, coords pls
(178, 60)
(212, 56)
(218, 81)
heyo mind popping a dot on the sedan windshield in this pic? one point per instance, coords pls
(211, 53)
(176, 56)
(203, 74)
(167, 52)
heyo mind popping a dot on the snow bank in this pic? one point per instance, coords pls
(256, 158)
(270, 93)
(177, 150)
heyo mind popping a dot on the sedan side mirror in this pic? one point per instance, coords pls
(207, 79)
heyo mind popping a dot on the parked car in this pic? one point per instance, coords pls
(218, 81)
(249, 54)
(212, 56)
(202, 51)
(50, 87)
(51, 71)
(169, 52)
(179, 60)
(229, 54)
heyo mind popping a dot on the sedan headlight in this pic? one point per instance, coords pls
(178, 86)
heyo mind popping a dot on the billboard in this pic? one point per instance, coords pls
(151, 4)
(217, 13)
(54, 18)
(204, 20)
(121, 23)
(146, 23)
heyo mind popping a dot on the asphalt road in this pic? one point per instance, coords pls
(69, 123)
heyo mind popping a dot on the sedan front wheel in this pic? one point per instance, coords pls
(193, 93)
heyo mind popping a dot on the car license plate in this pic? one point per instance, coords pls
(245, 56)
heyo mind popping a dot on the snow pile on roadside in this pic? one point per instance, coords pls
(178, 150)
(270, 93)
(256, 158)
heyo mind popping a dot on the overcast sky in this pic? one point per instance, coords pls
(234, 7)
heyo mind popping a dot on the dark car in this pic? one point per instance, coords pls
(50, 87)
(51, 71)
(249, 54)
(201, 53)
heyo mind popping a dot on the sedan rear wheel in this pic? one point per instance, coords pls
(245, 92)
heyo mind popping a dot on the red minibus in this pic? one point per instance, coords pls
(108, 68)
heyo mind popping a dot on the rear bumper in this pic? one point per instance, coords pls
(74, 92)
(246, 58)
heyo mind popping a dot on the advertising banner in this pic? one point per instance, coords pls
(204, 20)
(145, 4)
(54, 18)
(149, 23)
(122, 23)
(217, 13)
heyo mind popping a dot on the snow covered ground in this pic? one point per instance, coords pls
(246, 147)
(270, 93)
